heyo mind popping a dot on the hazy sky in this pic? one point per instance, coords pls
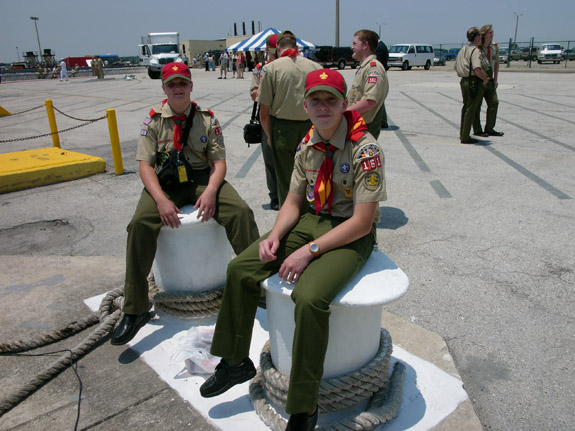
(82, 27)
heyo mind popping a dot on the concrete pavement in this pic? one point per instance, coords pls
(482, 232)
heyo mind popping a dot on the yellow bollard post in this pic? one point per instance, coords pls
(52, 121)
(115, 141)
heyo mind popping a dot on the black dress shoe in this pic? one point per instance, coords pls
(275, 206)
(129, 327)
(302, 422)
(495, 133)
(469, 141)
(227, 376)
(482, 134)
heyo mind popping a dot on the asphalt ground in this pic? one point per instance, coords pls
(484, 232)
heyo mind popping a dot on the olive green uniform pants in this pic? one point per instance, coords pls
(321, 281)
(490, 96)
(375, 126)
(286, 136)
(231, 212)
(470, 106)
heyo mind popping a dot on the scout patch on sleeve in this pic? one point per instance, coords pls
(147, 121)
(143, 132)
(218, 131)
(371, 164)
(368, 151)
(372, 180)
(309, 193)
(372, 77)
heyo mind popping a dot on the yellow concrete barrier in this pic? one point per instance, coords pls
(31, 168)
(115, 141)
(3, 112)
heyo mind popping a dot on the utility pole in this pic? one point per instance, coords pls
(516, 25)
(336, 22)
(35, 19)
(18, 52)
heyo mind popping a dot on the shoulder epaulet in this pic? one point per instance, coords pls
(155, 110)
(308, 135)
(372, 63)
(210, 112)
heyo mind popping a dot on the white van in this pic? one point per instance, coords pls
(407, 55)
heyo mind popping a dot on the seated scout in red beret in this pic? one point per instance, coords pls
(337, 182)
(182, 160)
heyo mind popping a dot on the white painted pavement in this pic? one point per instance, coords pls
(429, 394)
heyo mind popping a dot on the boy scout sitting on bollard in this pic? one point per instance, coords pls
(199, 167)
(322, 236)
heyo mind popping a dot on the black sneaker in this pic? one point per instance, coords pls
(302, 422)
(226, 377)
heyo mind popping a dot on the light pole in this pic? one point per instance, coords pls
(35, 19)
(516, 25)
(18, 52)
(379, 25)
(336, 22)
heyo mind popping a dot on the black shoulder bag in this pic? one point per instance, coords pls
(172, 168)
(253, 130)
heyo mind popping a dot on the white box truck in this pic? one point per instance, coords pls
(157, 50)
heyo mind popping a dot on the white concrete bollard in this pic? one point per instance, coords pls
(355, 320)
(193, 257)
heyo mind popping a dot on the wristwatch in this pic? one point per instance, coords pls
(314, 249)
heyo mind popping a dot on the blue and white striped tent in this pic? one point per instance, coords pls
(257, 42)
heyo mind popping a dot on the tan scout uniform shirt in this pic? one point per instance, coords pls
(358, 172)
(204, 144)
(467, 53)
(282, 86)
(370, 84)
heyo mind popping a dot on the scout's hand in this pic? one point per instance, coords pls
(169, 213)
(295, 264)
(268, 248)
(206, 204)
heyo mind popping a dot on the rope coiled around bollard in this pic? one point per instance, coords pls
(369, 382)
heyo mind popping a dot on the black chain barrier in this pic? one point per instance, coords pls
(86, 122)
(21, 112)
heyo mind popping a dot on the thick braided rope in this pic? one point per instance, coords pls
(109, 315)
(185, 304)
(337, 393)
(382, 407)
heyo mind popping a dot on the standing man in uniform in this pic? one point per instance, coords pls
(271, 180)
(282, 114)
(63, 70)
(382, 54)
(201, 182)
(99, 67)
(224, 58)
(468, 68)
(323, 235)
(370, 86)
(490, 65)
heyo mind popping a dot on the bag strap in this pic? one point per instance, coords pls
(188, 126)
(255, 111)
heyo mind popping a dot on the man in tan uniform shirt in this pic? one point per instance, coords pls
(282, 114)
(203, 185)
(370, 86)
(469, 59)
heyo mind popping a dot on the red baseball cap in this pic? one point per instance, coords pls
(326, 80)
(271, 43)
(175, 70)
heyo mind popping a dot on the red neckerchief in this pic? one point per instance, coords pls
(290, 53)
(178, 120)
(323, 189)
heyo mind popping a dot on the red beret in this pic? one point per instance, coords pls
(325, 80)
(175, 70)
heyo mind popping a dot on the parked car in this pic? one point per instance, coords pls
(515, 55)
(452, 54)
(551, 52)
(570, 54)
(503, 55)
(331, 56)
(407, 55)
(527, 53)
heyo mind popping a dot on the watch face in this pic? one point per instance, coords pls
(314, 247)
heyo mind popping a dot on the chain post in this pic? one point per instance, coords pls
(115, 141)
(52, 121)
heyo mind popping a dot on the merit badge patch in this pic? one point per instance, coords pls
(368, 151)
(371, 164)
(143, 132)
(344, 168)
(309, 193)
(204, 139)
(372, 180)
(147, 121)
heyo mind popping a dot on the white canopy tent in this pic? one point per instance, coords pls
(257, 42)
